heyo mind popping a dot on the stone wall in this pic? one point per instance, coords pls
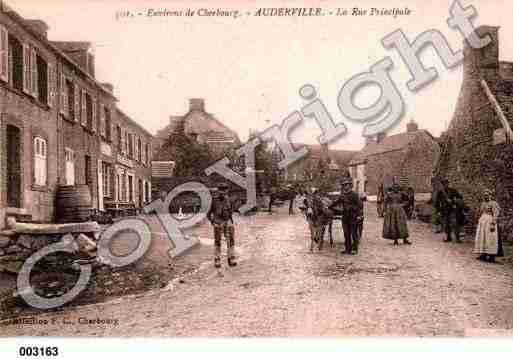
(470, 160)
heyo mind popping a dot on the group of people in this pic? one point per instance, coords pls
(320, 211)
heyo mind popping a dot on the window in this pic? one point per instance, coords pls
(16, 55)
(42, 80)
(130, 141)
(70, 166)
(4, 54)
(40, 161)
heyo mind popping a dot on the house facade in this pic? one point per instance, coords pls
(475, 154)
(409, 158)
(203, 126)
(56, 121)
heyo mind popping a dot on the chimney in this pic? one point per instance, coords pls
(196, 104)
(109, 87)
(487, 57)
(380, 137)
(90, 63)
(79, 52)
(38, 26)
(412, 126)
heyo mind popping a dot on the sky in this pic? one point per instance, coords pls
(249, 69)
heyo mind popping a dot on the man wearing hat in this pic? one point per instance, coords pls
(350, 207)
(450, 205)
(220, 216)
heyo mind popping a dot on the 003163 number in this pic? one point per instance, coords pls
(39, 351)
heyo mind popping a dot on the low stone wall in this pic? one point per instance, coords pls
(24, 239)
(15, 249)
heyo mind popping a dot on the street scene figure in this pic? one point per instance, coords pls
(300, 202)
(350, 207)
(395, 224)
(220, 216)
(410, 204)
(380, 200)
(450, 205)
(487, 234)
(292, 194)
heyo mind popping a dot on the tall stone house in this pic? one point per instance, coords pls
(57, 123)
(203, 126)
(475, 155)
(409, 158)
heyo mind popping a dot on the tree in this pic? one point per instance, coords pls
(191, 157)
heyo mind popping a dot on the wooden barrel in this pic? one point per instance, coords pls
(73, 203)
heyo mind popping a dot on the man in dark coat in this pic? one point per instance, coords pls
(220, 216)
(350, 207)
(450, 205)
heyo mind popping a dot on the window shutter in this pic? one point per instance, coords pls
(33, 67)
(26, 69)
(64, 95)
(76, 94)
(84, 109)
(143, 154)
(123, 141)
(136, 156)
(50, 85)
(94, 109)
(103, 129)
(4, 54)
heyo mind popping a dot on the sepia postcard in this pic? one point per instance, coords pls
(255, 169)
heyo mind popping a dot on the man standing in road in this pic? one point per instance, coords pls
(350, 207)
(220, 216)
(450, 205)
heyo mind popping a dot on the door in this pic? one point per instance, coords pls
(70, 167)
(130, 189)
(13, 160)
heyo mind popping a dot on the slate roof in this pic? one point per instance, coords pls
(388, 144)
(341, 157)
(70, 46)
(203, 124)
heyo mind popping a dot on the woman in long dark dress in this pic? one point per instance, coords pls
(395, 223)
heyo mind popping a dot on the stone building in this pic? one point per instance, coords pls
(126, 164)
(203, 126)
(474, 153)
(56, 119)
(410, 157)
